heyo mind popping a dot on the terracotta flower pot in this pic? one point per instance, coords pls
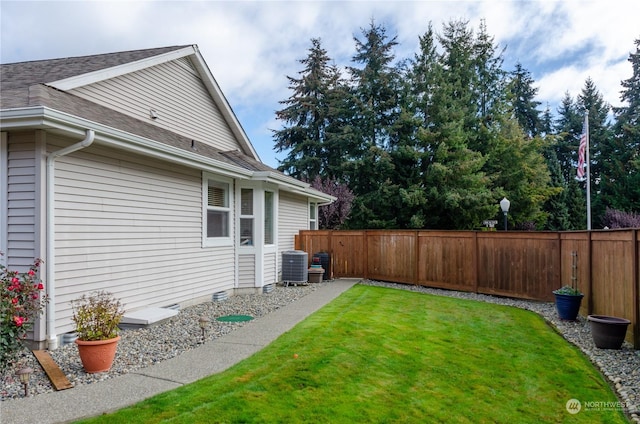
(608, 332)
(98, 355)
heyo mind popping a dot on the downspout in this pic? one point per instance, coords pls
(52, 337)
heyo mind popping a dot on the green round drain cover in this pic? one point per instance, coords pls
(235, 318)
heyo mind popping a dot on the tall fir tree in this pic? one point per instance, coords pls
(521, 98)
(375, 84)
(568, 128)
(306, 116)
(621, 185)
(601, 148)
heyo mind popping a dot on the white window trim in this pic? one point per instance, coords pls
(251, 218)
(218, 241)
(274, 235)
(313, 205)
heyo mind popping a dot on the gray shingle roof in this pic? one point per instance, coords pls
(24, 84)
(23, 74)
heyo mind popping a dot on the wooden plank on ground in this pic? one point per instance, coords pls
(55, 374)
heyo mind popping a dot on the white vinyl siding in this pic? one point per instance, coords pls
(293, 216)
(270, 271)
(177, 95)
(132, 226)
(246, 271)
(23, 189)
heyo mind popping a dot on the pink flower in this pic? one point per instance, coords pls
(40, 286)
(18, 320)
(31, 273)
(14, 300)
(34, 296)
(15, 280)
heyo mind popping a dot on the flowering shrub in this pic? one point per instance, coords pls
(97, 316)
(21, 302)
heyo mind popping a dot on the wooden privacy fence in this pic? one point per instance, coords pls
(526, 265)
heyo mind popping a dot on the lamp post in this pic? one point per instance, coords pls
(25, 374)
(204, 323)
(504, 205)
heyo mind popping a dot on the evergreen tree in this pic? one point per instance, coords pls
(489, 84)
(621, 185)
(546, 122)
(601, 147)
(521, 97)
(306, 116)
(568, 127)
(556, 206)
(375, 110)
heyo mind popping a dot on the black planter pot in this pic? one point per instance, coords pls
(568, 305)
(608, 332)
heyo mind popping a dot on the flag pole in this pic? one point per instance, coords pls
(586, 128)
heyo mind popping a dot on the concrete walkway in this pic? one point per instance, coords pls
(212, 357)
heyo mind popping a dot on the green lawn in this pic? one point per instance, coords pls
(394, 356)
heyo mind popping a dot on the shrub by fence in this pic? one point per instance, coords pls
(526, 265)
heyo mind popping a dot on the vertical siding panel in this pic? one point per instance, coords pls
(175, 92)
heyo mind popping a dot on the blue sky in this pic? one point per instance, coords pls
(251, 46)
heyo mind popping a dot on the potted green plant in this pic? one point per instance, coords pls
(96, 317)
(569, 298)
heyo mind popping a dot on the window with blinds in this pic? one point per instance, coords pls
(218, 211)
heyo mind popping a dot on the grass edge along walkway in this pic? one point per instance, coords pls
(385, 355)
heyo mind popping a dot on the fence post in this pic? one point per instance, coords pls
(476, 261)
(416, 263)
(366, 255)
(636, 290)
(589, 273)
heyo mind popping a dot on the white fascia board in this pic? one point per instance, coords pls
(44, 118)
(116, 71)
(295, 186)
(220, 99)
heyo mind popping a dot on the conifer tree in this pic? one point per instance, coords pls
(601, 149)
(375, 110)
(621, 184)
(521, 97)
(306, 116)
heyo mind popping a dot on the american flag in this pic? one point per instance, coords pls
(583, 147)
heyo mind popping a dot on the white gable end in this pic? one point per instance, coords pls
(177, 96)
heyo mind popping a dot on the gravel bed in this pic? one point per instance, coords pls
(144, 347)
(141, 348)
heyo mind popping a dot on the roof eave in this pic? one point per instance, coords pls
(40, 117)
(295, 186)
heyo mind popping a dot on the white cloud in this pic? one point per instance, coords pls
(251, 46)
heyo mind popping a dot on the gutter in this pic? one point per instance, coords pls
(52, 337)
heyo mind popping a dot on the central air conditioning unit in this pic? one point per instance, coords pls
(294, 267)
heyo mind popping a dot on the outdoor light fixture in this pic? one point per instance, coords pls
(204, 324)
(504, 205)
(25, 374)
